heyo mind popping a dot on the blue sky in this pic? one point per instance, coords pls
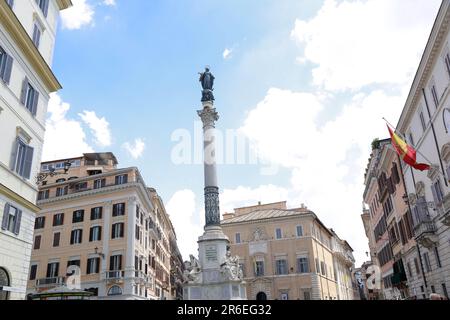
(307, 83)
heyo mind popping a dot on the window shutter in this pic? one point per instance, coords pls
(23, 93)
(35, 102)
(5, 216)
(97, 265)
(28, 162)
(435, 197)
(99, 233)
(111, 263)
(45, 8)
(103, 183)
(121, 229)
(48, 270)
(91, 234)
(120, 262)
(8, 69)
(18, 221)
(12, 164)
(125, 178)
(72, 237)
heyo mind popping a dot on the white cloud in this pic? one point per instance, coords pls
(109, 3)
(99, 127)
(327, 161)
(79, 15)
(357, 43)
(64, 138)
(136, 149)
(182, 208)
(227, 53)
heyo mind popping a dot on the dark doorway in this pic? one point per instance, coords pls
(4, 282)
(261, 296)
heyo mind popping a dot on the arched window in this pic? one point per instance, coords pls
(4, 282)
(115, 291)
(261, 296)
(60, 180)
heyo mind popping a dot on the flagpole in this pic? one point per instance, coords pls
(404, 138)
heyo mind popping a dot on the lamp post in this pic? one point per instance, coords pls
(52, 173)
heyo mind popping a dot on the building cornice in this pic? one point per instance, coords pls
(429, 57)
(64, 4)
(18, 199)
(15, 29)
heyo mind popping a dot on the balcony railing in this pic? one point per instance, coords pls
(50, 282)
(424, 227)
(115, 275)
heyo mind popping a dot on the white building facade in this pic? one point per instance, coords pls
(425, 122)
(27, 39)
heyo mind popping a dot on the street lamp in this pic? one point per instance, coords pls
(52, 172)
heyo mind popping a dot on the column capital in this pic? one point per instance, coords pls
(209, 116)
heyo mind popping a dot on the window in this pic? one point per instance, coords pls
(115, 291)
(62, 191)
(37, 242)
(411, 139)
(96, 213)
(299, 231)
(438, 195)
(76, 237)
(447, 62)
(95, 234)
(137, 232)
(6, 62)
(307, 295)
(281, 267)
(43, 195)
(302, 265)
(438, 258)
(117, 230)
(58, 219)
(317, 266)
(78, 216)
(119, 209)
(22, 158)
(101, 183)
(29, 97)
(435, 95)
(426, 260)
(115, 263)
(259, 268)
(56, 239)
(43, 4)
(93, 266)
(33, 272)
(278, 234)
(408, 267)
(323, 268)
(39, 223)
(37, 33)
(238, 238)
(82, 186)
(284, 296)
(422, 121)
(416, 264)
(61, 180)
(123, 179)
(53, 270)
(11, 219)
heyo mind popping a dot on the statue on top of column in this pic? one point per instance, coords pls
(207, 81)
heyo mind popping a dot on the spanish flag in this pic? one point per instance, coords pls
(406, 152)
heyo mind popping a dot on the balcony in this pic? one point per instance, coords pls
(50, 282)
(425, 233)
(115, 276)
(444, 211)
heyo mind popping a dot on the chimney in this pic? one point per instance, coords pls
(227, 216)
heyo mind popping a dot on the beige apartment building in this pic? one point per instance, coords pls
(102, 225)
(289, 254)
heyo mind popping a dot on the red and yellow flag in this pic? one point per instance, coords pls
(406, 152)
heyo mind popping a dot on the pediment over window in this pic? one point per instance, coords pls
(445, 152)
(433, 173)
(420, 189)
